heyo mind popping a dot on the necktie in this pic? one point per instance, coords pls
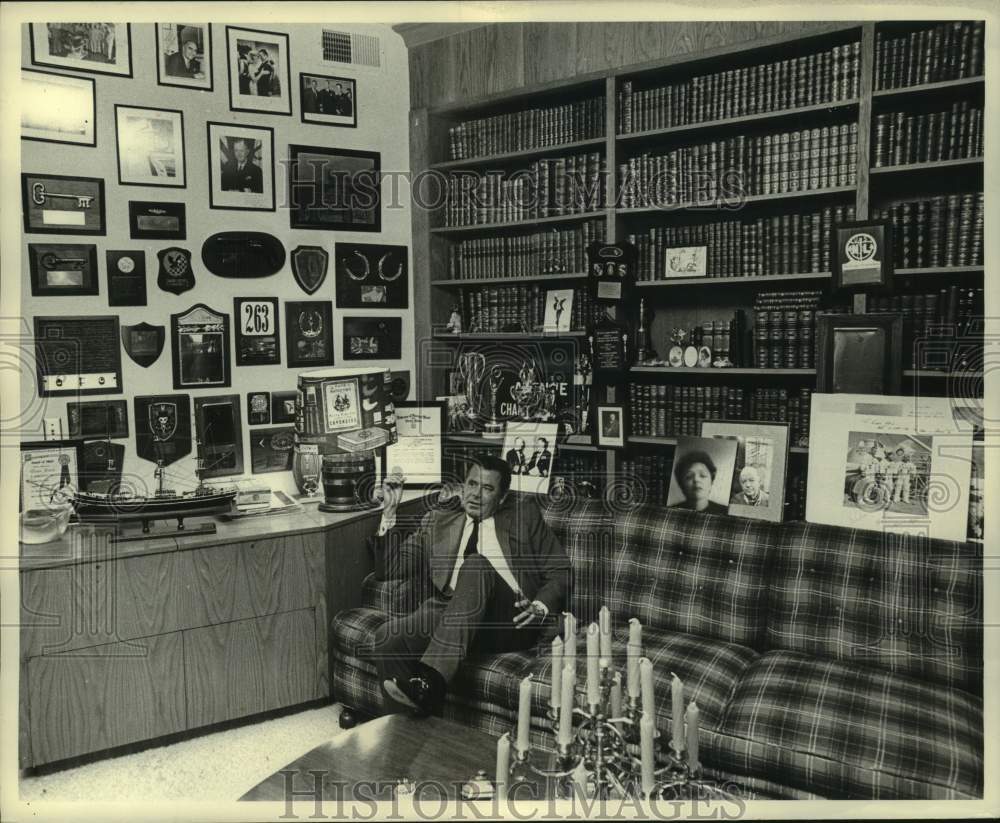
(472, 547)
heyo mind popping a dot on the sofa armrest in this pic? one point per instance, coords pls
(395, 597)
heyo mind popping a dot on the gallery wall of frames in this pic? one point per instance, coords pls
(204, 217)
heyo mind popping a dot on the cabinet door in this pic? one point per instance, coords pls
(105, 696)
(250, 666)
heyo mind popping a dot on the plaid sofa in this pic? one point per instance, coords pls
(826, 662)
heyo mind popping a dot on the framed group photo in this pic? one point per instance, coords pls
(334, 189)
(100, 48)
(150, 146)
(258, 71)
(184, 55)
(241, 167)
(57, 108)
(328, 100)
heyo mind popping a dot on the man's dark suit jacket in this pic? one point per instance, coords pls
(534, 555)
(250, 178)
(176, 68)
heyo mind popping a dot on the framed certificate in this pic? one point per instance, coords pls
(417, 453)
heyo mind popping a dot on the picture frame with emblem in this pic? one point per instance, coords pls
(258, 408)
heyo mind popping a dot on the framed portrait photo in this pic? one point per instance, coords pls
(309, 332)
(57, 108)
(417, 453)
(63, 269)
(758, 484)
(702, 474)
(328, 100)
(241, 167)
(62, 204)
(184, 55)
(100, 48)
(334, 189)
(150, 147)
(259, 76)
(609, 427)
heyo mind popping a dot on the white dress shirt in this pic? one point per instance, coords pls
(489, 547)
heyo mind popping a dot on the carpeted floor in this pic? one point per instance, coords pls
(219, 767)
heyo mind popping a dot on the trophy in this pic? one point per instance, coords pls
(494, 425)
(527, 393)
(642, 335)
(581, 378)
(471, 368)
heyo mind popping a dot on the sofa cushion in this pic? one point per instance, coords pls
(908, 604)
(354, 631)
(847, 731)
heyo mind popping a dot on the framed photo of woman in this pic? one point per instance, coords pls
(259, 72)
(702, 474)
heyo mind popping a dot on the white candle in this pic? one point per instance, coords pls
(647, 734)
(677, 712)
(692, 717)
(568, 700)
(635, 632)
(557, 666)
(524, 715)
(593, 654)
(569, 642)
(648, 694)
(634, 653)
(604, 619)
(503, 763)
(616, 695)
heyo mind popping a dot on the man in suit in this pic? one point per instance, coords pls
(184, 63)
(493, 571)
(310, 97)
(241, 173)
(541, 459)
(516, 458)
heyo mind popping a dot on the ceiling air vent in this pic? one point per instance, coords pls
(345, 48)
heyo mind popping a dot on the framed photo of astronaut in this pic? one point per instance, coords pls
(327, 100)
(758, 484)
(258, 71)
(184, 55)
(240, 167)
(530, 451)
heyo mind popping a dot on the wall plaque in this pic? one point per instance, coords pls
(201, 357)
(176, 275)
(163, 427)
(144, 343)
(63, 269)
(309, 329)
(610, 354)
(98, 418)
(126, 278)
(373, 338)
(271, 450)
(101, 466)
(77, 355)
(58, 204)
(257, 331)
(153, 220)
(612, 270)
(258, 408)
(243, 254)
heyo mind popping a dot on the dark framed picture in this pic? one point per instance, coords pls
(57, 108)
(63, 269)
(272, 450)
(98, 418)
(201, 356)
(309, 332)
(417, 452)
(184, 55)
(126, 277)
(257, 331)
(328, 100)
(50, 474)
(62, 204)
(150, 146)
(99, 48)
(610, 356)
(610, 425)
(283, 406)
(217, 422)
(758, 484)
(153, 220)
(259, 75)
(373, 338)
(372, 276)
(334, 189)
(859, 353)
(77, 355)
(101, 466)
(241, 167)
(862, 256)
(258, 408)
(702, 474)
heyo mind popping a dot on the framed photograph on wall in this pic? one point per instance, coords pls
(258, 332)
(609, 425)
(63, 269)
(758, 486)
(334, 189)
(417, 453)
(201, 357)
(259, 77)
(50, 474)
(150, 146)
(57, 108)
(328, 100)
(100, 48)
(184, 55)
(558, 310)
(62, 204)
(309, 332)
(241, 167)
(372, 276)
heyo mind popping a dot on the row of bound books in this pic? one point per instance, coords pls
(520, 308)
(784, 329)
(547, 188)
(585, 474)
(811, 79)
(744, 165)
(557, 251)
(948, 51)
(534, 128)
(946, 230)
(902, 138)
(780, 244)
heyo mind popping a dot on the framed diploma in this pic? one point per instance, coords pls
(417, 453)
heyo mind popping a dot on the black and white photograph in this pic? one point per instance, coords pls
(373, 338)
(200, 347)
(241, 167)
(283, 406)
(701, 476)
(334, 189)
(890, 472)
(529, 450)
(57, 108)
(558, 315)
(759, 474)
(372, 276)
(608, 424)
(258, 331)
(184, 55)
(328, 100)
(258, 71)
(150, 146)
(309, 332)
(100, 48)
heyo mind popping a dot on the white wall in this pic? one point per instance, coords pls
(383, 105)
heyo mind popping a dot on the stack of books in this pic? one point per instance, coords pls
(785, 329)
(948, 51)
(952, 134)
(946, 230)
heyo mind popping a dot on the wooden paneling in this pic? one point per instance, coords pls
(106, 696)
(552, 51)
(250, 666)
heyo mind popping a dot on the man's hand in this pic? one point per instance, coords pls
(391, 492)
(533, 611)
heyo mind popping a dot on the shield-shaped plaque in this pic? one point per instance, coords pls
(143, 342)
(309, 265)
(163, 427)
(176, 275)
